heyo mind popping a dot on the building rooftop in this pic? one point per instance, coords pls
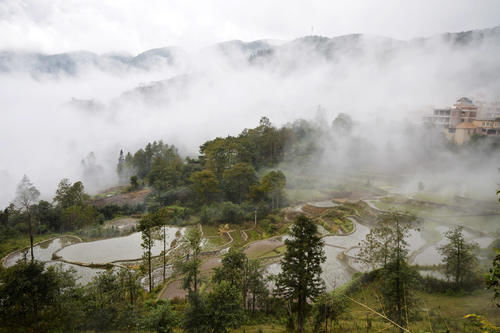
(466, 126)
(464, 100)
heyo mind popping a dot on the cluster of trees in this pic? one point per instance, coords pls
(36, 298)
(238, 286)
(385, 251)
(237, 289)
(225, 171)
(153, 228)
(41, 299)
(69, 210)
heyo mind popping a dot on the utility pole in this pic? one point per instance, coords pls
(255, 216)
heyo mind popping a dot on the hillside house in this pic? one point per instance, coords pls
(461, 121)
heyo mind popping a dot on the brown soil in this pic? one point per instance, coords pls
(129, 198)
(173, 290)
(210, 264)
(313, 210)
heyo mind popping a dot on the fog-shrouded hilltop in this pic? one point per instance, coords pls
(64, 112)
(301, 51)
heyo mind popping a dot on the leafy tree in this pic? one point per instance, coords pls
(49, 217)
(160, 219)
(191, 267)
(142, 163)
(458, 255)
(328, 309)
(111, 301)
(246, 275)
(232, 269)
(62, 194)
(300, 279)
(148, 228)
(205, 185)
(221, 154)
(224, 308)
(398, 278)
(71, 199)
(165, 173)
(196, 315)
(493, 276)
(38, 299)
(74, 217)
(377, 247)
(237, 181)
(159, 317)
(255, 284)
(27, 195)
(342, 124)
(399, 282)
(273, 184)
(134, 183)
(386, 247)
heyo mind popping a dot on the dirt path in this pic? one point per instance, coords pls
(260, 247)
(173, 290)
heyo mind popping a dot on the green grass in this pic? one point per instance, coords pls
(19, 242)
(237, 237)
(214, 243)
(437, 310)
(253, 235)
(210, 230)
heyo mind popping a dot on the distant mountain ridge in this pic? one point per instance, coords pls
(72, 62)
(255, 52)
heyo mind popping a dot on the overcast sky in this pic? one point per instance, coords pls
(136, 25)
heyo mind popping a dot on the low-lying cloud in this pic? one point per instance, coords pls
(51, 120)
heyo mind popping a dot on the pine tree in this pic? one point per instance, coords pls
(120, 168)
(300, 279)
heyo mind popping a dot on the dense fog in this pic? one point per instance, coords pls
(58, 109)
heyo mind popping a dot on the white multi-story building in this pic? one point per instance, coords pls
(463, 111)
(464, 119)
